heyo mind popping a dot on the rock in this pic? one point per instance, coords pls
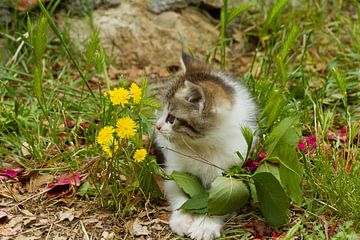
(133, 36)
(158, 6)
(219, 3)
(77, 6)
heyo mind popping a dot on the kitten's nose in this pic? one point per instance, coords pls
(158, 126)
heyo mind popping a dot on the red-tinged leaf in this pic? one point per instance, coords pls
(67, 179)
(85, 124)
(69, 123)
(65, 184)
(10, 173)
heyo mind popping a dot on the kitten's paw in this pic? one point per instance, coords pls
(205, 228)
(180, 222)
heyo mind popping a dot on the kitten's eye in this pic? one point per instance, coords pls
(170, 118)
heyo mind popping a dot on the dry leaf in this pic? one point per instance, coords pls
(7, 231)
(26, 212)
(25, 149)
(38, 181)
(69, 215)
(136, 229)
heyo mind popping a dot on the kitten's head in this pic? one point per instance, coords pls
(195, 103)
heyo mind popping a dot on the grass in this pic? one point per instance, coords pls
(305, 63)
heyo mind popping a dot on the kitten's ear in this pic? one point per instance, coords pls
(194, 94)
(189, 63)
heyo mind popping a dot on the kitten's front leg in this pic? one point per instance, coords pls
(180, 221)
(205, 227)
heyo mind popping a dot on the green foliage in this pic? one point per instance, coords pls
(226, 18)
(226, 195)
(197, 204)
(281, 145)
(38, 40)
(273, 201)
(190, 184)
(274, 12)
(249, 138)
(285, 49)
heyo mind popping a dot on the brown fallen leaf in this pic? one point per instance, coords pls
(66, 215)
(25, 149)
(7, 232)
(136, 229)
(38, 181)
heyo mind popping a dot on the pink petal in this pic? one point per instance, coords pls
(307, 144)
(261, 156)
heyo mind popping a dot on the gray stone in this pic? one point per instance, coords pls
(133, 36)
(158, 6)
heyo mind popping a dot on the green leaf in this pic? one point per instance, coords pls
(282, 146)
(282, 133)
(227, 195)
(270, 168)
(197, 204)
(273, 108)
(37, 84)
(190, 184)
(290, 172)
(249, 138)
(275, 10)
(340, 80)
(237, 11)
(151, 103)
(273, 201)
(83, 189)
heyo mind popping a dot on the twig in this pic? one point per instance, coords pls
(48, 234)
(86, 236)
(192, 157)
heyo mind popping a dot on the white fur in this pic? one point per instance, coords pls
(219, 147)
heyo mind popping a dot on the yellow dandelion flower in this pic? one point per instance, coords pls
(119, 96)
(135, 91)
(140, 155)
(105, 135)
(125, 127)
(111, 148)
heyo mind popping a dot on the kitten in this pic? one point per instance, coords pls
(203, 114)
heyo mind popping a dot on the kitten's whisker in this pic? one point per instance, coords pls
(194, 157)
